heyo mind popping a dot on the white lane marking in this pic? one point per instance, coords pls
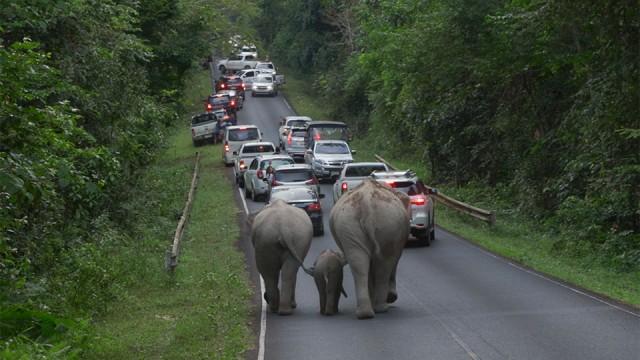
(263, 312)
(450, 331)
(541, 276)
(289, 106)
(263, 323)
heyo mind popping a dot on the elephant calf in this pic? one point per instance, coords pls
(281, 235)
(327, 273)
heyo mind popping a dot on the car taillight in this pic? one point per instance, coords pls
(316, 136)
(233, 103)
(391, 183)
(289, 139)
(259, 174)
(209, 107)
(418, 200)
(314, 207)
(242, 166)
(226, 117)
(243, 88)
(344, 187)
(222, 86)
(226, 147)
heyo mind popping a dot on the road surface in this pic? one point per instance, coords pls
(456, 301)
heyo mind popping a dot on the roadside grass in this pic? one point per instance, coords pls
(202, 310)
(513, 236)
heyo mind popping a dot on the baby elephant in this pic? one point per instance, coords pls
(327, 273)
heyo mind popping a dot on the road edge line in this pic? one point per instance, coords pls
(263, 312)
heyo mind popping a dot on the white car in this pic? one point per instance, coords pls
(258, 175)
(264, 84)
(248, 76)
(353, 174)
(249, 50)
(422, 209)
(287, 123)
(234, 137)
(246, 154)
(266, 67)
(328, 157)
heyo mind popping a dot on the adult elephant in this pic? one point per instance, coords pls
(370, 224)
(281, 235)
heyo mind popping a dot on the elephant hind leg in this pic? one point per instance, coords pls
(360, 268)
(322, 292)
(272, 294)
(382, 274)
(288, 285)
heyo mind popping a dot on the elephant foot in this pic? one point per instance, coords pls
(392, 297)
(364, 314)
(382, 308)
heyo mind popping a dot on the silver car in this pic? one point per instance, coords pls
(259, 174)
(294, 175)
(422, 209)
(264, 84)
(328, 157)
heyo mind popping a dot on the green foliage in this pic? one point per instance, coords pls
(537, 97)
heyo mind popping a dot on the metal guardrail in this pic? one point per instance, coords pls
(476, 213)
(172, 255)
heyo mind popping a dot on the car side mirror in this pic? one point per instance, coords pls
(321, 196)
(235, 153)
(353, 152)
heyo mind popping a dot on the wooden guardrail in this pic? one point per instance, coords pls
(477, 213)
(172, 255)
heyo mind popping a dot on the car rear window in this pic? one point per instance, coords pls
(236, 81)
(407, 187)
(332, 148)
(330, 133)
(295, 194)
(297, 123)
(275, 163)
(294, 175)
(264, 66)
(219, 100)
(249, 149)
(298, 133)
(265, 79)
(203, 118)
(354, 171)
(243, 134)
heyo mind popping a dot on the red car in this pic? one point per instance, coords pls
(231, 82)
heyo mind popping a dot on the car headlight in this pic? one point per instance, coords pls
(255, 87)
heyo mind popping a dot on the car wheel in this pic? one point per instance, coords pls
(318, 230)
(253, 94)
(247, 67)
(424, 238)
(195, 143)
(247, 194)
(433, 234)
(222, 69)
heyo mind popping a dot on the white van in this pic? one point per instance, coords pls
(234, 137)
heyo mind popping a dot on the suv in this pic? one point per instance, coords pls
(237, 102)
(287, 123)
(326, 130)
(259, 173)
(264, 84)
(328, 157)
(422, 209)
(266, 67)
(234, 137)
(246, 153)
(221, 101)
(294, 175)
(231, 82)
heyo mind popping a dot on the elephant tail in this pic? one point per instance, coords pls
(284, 241)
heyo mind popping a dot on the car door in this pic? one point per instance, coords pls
(250, 174)
(235, 62)
(248, 77)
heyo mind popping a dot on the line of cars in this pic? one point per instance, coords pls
(275, 172)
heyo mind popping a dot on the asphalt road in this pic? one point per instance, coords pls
(456, 301)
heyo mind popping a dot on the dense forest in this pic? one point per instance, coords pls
(89, 91)
(532, 101)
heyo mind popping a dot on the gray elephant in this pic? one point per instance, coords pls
(327, 273)
(370, 224)
(281, 235)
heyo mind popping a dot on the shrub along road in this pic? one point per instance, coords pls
(456, 301)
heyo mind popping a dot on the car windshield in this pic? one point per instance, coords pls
(243, 134)
(332, 148)
(203, 118)
(275, 163)
(295, 194)
(265, 79)
(249, 149)
(294, 175)
(330, 133)
(364, 170)
(264, 66)
(297, 123)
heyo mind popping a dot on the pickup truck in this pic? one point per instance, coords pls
(204, 127)
(328, 157)
(353, 174)
(237, 62)
(246, 154)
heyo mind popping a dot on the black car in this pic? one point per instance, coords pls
(221, 101)
(231, 82)
(326, 130)
(305, 198)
